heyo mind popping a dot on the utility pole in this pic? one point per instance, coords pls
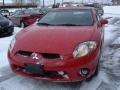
(3, 4)
(43, 4)
(21, 4)
(82, 2)
(54, 2)
(62, 2)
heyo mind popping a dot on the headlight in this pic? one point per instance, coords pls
(84, 48)
(12, 44)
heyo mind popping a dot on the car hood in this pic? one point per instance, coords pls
(52, 39)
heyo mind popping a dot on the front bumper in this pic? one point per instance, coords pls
(70, 66)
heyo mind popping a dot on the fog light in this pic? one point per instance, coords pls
(84, 72)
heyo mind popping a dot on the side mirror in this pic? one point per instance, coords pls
(103, 21)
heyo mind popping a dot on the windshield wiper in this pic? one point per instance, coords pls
(68, 24)
(58, 24)
(45, 24)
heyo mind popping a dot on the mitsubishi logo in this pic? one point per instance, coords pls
(35, 56)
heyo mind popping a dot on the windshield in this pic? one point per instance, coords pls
(68, 18)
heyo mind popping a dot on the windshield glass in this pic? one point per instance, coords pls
(68, 17)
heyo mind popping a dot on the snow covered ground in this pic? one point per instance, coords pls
(112, 11)
(107, 79)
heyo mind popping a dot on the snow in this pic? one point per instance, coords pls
(111, 11)
(5, 42)
(107, 79)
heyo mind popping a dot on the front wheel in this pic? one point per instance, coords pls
(95, 74)
(97, 70)
(11, 31)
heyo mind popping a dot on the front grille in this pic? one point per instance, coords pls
(44, 55)
(24, 53)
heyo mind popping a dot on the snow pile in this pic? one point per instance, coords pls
(4, 45)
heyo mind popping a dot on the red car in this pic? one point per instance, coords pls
(26, 17)
(64, 46)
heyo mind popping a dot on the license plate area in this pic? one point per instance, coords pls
(34, 68)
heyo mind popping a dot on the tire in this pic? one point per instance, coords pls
(10, 33)
(96, 70)
(98, 65)
(94, 75)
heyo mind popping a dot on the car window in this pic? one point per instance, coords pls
(69, 17)
(17, 13)
(4, 11)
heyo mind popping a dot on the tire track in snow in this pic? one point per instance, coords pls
(6, 77)
(6, 73)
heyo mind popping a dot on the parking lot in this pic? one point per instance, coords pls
(107, 79)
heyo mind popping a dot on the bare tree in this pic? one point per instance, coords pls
(116, 1)
(18, 1)
(34, 2)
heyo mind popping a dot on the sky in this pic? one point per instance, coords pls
(47, 2)
(7, 1)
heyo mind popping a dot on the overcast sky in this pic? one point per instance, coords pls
(51, 1)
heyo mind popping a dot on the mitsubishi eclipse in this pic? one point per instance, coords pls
(64, 46)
